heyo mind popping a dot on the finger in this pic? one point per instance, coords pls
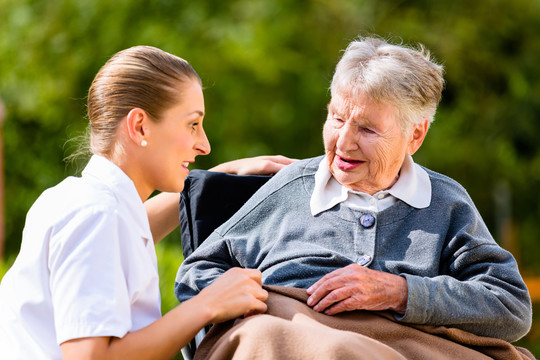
(335, 280)
(333, 297)
(348, 304)
(274, 163)
(255, 282)
(321, 291)
(324, 279)
(272, 167)
(261, 294)
(254, 274)
(258, 308)
(281, 159)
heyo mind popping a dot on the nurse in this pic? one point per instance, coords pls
(85, 284)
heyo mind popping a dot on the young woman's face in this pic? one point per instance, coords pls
(176, 140)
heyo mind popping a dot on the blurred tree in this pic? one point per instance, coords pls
(267, 66)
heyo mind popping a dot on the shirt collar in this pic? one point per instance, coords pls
(413, 187)
(106, 172)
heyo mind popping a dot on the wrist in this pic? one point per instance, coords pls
(402, 294)
(201, 311)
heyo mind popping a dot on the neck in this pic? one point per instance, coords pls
(121, 158)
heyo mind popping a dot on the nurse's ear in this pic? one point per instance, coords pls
(137, 121)
(417, 136)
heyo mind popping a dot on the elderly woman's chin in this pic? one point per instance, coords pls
(361, 180)
(353, 179)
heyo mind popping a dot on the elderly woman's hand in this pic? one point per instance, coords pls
(355, 287)
(259, 165)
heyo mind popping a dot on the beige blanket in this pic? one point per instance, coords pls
(292, 330)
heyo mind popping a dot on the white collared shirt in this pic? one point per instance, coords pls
(413, 187)
(87, 266)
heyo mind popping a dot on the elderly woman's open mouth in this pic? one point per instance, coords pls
(347, 164)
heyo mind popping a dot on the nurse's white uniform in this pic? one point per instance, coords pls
(87, 266)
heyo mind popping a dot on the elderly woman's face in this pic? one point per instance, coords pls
(364, 144)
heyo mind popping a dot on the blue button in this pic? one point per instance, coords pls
(363, 260)
(367, 220)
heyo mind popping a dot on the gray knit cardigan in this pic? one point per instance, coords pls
(457, 275)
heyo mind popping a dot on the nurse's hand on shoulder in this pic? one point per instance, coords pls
(259, 165)
(236, 293)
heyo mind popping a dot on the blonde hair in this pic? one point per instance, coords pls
(405, 77)
(139, 77)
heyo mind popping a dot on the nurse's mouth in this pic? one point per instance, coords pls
(185, 165)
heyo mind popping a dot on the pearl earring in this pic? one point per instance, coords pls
(144, 143)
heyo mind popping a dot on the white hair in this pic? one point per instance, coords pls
(392, 74)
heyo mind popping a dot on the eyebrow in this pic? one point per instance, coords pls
(335, 109)
(198, 112)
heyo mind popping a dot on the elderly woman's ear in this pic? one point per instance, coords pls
(417, 136)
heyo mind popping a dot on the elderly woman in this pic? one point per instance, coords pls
(364, 227)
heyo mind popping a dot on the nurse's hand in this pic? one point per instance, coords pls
(235, 293)
(355, 287)
(259, 165)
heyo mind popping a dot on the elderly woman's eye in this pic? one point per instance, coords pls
(337, 119)
(368, 130)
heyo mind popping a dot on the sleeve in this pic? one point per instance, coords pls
(203, 266)
(236, 243)
(479, 288)
(87, 281)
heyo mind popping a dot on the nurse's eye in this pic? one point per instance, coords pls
(194, 126)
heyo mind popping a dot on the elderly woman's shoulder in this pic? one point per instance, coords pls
(290, 174)
(300, 168)
(444, 186)
(288, 183)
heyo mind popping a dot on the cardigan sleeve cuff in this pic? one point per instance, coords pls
(417, 301)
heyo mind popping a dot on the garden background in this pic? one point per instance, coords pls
(266, 66)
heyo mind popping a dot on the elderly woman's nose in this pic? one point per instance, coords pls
(347, 138)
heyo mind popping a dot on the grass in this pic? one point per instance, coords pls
(169, 254)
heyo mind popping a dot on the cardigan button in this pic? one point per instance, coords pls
(363, 260)
(367, 220)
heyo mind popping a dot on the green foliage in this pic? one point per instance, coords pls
(169, 257)
(4, 266)
(266, 66)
